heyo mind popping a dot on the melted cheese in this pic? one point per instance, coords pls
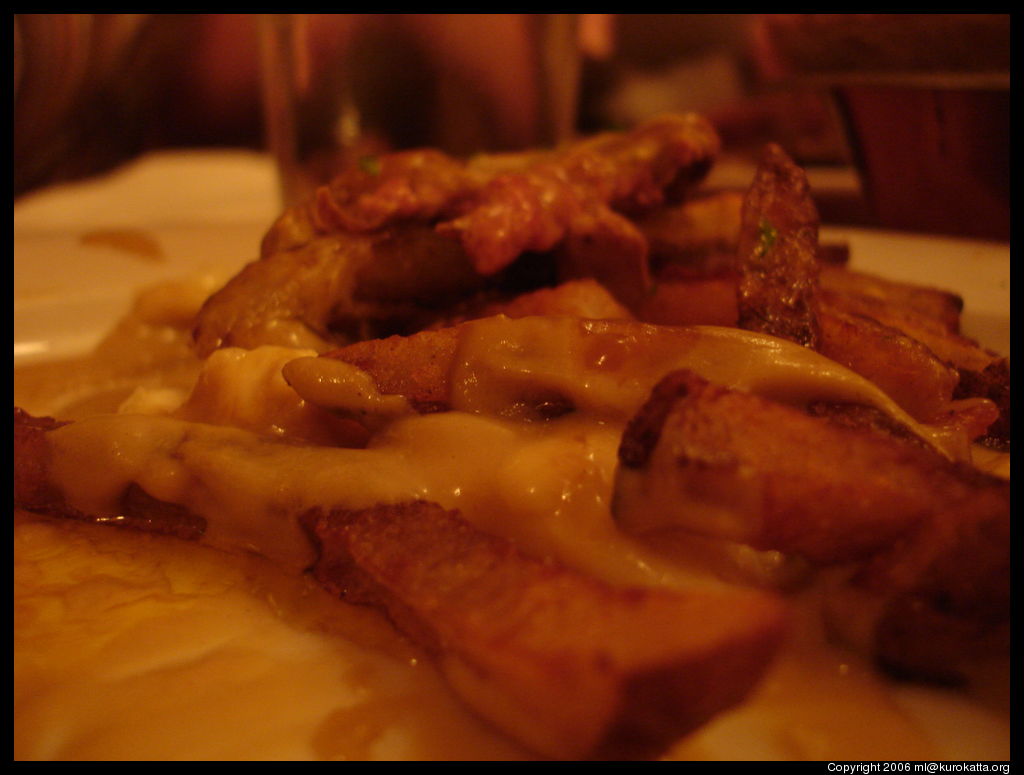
(607, 368)
(545, 485)
(547, 489)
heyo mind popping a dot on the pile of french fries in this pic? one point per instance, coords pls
(765, 396)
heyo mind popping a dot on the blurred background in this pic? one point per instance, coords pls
(902, 120)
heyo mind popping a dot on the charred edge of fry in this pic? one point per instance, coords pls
(643, 431)
(861, 417)
(32, 489)
(993, 382)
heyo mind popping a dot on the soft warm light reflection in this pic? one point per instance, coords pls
(26, 349)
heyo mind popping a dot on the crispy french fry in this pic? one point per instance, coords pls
(787, 421)
(935, 604)
(713, 461)
(778, 252)
(609, 248)
(685, 234)
(698, 240)
(993, 383)
(955, 610)
(899, 364)
(336, 287)
(579, 190)
(980, 373)
(855, 489)
(941, 307)
(34, 489)
(910, 353)
(912, 356)
(548, 655)
(416, 367)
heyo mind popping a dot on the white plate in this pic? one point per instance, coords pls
(205, 212)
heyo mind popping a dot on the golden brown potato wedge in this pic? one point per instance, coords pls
(911, 355)
(720, 462)
(899, 364)
(336, 288)
(778, 252)
(980, 373)
(939, 306)
(685, 234)
(936, 604)
(35, 490)
(416, 367)
(928, 541)
(569, 666)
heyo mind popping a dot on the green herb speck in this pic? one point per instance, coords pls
(766, 236)
(370, 164)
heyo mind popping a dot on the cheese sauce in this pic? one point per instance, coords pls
(316, 685)
(607, 368)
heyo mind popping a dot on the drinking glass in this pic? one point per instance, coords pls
(339, 87)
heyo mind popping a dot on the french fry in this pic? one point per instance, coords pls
(979, 372)
(778, 253)
(931, 304)
(34, 489)
(852, 489)
(580, 190)
(786, 421)
(609, 248)
(688, 233)
(899, 364)
(336, 288)
(697, 301)
(713, 461)
(936, 604)
(914, 355)
(954, 612)
(548, 655)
